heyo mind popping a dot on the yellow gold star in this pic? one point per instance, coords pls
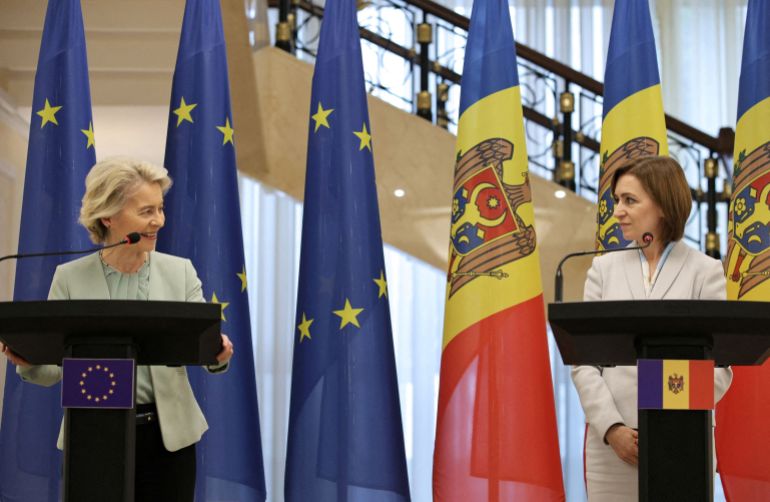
(383, 285)
(183, 112)
(89, 134)
(304, 328)
(348, 315)
(227, 131)
(224, 305)
(321, 117)
(48, 113)
(366, 139)
(242, 277)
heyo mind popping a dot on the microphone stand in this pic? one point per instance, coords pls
(131, 238)
(558, 285)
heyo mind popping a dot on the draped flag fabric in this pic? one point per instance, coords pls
(345, 438)
(743, 415)
(204, 224)
(61, 151)
(496, 436)
(634, 124)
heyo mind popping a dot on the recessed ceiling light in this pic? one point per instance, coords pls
(398, 192)
(560, 194)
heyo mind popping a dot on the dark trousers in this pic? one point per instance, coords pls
(162, 475)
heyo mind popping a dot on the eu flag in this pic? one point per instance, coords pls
(61, 151)
(345, 435)
(203, 223)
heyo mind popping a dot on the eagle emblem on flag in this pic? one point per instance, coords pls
(749, 221)
(486, 233)
(676, 383)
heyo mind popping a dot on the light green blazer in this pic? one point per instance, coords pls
(171, 279)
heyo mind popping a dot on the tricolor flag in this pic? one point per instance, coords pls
(634, 124)
(345, 439)
(61, 151)
(743, 415)
(203, 223)
(496, 435)
(669, 384)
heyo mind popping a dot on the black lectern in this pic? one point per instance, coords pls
(675, 460)
(99, 443)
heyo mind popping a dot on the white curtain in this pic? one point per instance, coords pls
(272, 224)
(700, 45)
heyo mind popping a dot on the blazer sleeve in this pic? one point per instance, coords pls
(714, 287)
(193, 286)
(592, 291)
(595, 397)
(48, 374)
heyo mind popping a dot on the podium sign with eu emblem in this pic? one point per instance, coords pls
(99, 343)
(98, 383)
(675, 445)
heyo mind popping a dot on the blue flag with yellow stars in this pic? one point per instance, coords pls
(203, 223)
(61, 151)
(345, 435)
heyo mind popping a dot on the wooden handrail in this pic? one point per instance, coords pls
(722, 145)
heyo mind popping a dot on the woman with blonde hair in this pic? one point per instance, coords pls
(123, 196)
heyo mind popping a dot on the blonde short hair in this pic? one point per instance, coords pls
(109, 184)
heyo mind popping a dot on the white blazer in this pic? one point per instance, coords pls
(609, 396)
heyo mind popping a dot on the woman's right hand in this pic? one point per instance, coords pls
(625, 442)
(14, 357)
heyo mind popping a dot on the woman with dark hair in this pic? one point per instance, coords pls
(651, 195)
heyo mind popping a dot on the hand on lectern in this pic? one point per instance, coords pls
(14, 357)
(625, 442)
(227, 350)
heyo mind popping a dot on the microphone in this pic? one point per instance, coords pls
(131, 238)
(558, 285)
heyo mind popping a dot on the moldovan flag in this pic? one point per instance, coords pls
(633, 124)
(496, 435)
(672, 384)
(743, 415)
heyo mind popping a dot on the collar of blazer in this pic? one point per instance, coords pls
(666, 277)
(92, 273)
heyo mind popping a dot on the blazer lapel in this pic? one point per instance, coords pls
(156, 282)
(94, 280)
(633, 268)
(670, 271)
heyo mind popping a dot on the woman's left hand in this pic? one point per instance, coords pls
(227, 350)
